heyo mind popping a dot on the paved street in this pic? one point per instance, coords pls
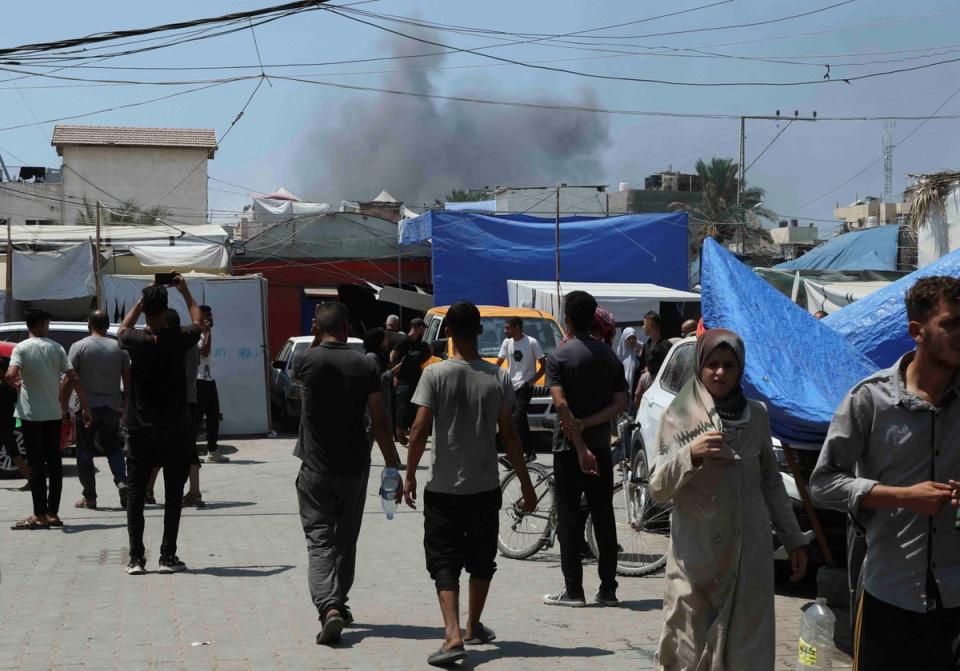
(65, 602)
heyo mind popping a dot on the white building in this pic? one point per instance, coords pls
(541, 201)
(156, 167)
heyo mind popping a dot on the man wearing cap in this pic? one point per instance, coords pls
(406, 362)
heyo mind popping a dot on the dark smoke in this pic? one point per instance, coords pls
(420, 149)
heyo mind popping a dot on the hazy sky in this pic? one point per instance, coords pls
(333, 144)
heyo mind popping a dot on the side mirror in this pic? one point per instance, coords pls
(440, 348)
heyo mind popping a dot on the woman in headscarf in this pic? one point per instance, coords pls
(632, 366)
(716, 465)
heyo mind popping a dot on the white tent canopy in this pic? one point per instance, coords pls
(628, 302)
(831, 296)
(116, 235)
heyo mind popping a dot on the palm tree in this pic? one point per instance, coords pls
(719, 206)
(127, 212)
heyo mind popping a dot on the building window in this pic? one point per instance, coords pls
(39, 222)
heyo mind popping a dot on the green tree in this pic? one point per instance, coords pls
(466, 196)
(718, 207)
(129, 212)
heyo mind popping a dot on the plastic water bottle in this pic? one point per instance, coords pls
(816, 638)
(388, 491)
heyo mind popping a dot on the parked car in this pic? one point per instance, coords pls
(536, 323)
(284, 390)
(65, 333)
(673, 374)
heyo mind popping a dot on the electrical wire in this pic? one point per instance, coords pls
(769, 144)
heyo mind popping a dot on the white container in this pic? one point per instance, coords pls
(389, 481)
(816, 646)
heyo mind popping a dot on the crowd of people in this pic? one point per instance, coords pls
(889, 460)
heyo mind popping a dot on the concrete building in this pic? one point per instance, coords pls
(794, 240)
(870, 211)
(30, 195)
(156, 167)
(541, 201)
(673, 181)
(660, 191)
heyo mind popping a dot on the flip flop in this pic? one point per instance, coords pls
(29, 525)
(56, 523)
(481, 637)
(447, 657)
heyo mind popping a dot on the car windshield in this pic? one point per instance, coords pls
(545, 331)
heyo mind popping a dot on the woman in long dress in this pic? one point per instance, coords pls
(717, 467)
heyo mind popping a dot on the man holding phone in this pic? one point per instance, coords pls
(157, 414)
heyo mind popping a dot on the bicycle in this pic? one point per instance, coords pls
(642, 527)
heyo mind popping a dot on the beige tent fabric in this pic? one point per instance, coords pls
(718, 605)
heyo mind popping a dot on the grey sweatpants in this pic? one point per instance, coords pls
(331, 511)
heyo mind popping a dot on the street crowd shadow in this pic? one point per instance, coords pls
(214, 505)
(243, 571)
(642, 605)
(360, 631)
(500, 650)
(69, 528)
(246, 462)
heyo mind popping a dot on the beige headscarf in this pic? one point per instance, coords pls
(693, 411)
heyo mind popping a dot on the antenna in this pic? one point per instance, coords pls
(888, 145)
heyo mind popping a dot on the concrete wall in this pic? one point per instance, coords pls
(21, 202)
(542, 202)
(170, 177)
(794, 234)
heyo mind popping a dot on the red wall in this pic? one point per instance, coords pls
(286, 279)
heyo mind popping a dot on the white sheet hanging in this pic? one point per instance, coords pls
(183, 258)
(66, 273)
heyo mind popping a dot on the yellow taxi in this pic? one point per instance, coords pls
(540, 325)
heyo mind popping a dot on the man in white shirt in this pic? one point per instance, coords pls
(207, 396)
(526, 364)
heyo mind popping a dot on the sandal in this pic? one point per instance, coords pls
(29, 524)
(55, 522)
(482, 635)
(86, 503)
(193, 500)
(446, 657)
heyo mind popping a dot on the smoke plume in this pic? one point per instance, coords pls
(419, 149)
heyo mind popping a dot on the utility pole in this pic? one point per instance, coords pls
(8, 297)
(557, 246)
(96, 261)
(742, 170)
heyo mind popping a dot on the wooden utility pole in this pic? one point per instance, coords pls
(8, 296)
(96, 261)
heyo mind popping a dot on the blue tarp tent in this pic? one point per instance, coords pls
(800, 368)
(869, 249)
(877, 325)
(474, 254)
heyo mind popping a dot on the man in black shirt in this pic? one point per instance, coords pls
(338, 386)
(157, 416)
(589, 389)
(406, 361)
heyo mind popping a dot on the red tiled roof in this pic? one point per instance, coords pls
(133, 136)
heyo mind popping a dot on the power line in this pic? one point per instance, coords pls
(769, 144)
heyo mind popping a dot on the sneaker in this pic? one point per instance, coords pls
(564, 599)
(216, 458)
(331, 631)
(136, 566)
(347, 615)
(608, 599)
(122, 491)
(171, 564)
(193, 500)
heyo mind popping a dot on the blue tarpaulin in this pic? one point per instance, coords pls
(797, 366)
(869, 249)
(877, 324)
(474, 255)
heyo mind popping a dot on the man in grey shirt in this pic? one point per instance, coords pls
(467, 399)
(100, 365)
(889, 461)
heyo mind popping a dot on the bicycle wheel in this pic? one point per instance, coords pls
(522, 534)
(643, 528)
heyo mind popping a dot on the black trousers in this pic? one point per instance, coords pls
(167, 449)
(105, 428)
(460, 532)
(520, 418)
(331, 512)
(572, 485)
(405, 411)
(193, 452)
(42, 440)
(887, 637)
(208, 401)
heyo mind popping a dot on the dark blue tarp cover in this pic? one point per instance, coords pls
(869, 249)
(800, 368)
(474, 255)
(877, 325)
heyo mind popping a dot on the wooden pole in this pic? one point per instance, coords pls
(96, 261)
(808, 504)
(8, 297)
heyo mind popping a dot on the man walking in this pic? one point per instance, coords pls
(526, 363)
(39, 362)
(652, 328)
(589, 389)
(208, 399)
(157, 416)
(406, 361)
(467, 399)
(891, 460)
(339, 385)
(101, 366)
